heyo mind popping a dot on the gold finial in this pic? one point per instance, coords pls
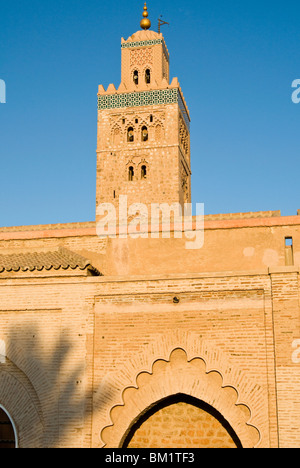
(145, 23)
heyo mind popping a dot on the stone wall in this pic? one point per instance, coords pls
(181, 425)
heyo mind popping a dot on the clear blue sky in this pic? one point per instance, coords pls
(235, 61)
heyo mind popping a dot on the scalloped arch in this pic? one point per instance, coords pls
(179, 375)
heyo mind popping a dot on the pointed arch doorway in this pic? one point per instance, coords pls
(181, 421)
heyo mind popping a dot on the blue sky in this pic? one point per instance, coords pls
(235, 61)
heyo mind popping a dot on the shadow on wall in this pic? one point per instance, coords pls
(45, 386)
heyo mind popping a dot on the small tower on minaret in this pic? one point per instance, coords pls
(143, 144)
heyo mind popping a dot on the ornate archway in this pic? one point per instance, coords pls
(179, 376)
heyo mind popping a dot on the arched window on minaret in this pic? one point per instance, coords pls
(148, 76)
(144, 172)
(130, 135)
(136, 77)
(130, 174)
(145, 135)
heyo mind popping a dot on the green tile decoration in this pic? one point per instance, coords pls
(141, 43)
(131, 45)
(144, 98)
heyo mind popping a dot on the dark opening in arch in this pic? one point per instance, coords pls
(130, 174)
(7, 433)
(145, 135)
(181, 421)
(136, 77)
(130, 135)
(148, 76)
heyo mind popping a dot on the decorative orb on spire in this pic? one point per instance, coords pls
(145, 23)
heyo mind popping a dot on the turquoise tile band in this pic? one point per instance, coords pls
(132, 45)
(143, 98)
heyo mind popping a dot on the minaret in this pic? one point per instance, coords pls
(143, 144)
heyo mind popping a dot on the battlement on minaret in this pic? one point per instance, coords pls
(113, 98)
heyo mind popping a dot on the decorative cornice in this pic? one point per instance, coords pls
(126, 45)
(151, 42)
(144, 98)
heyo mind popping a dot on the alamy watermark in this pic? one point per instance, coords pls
(296, 93)
(2, 352)
(296, 352)
(2, 92)
(139, 220)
